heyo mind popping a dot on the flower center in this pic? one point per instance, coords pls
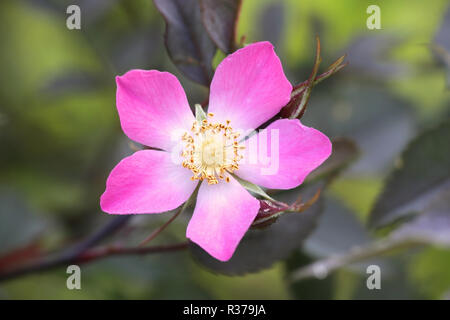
(211, 150)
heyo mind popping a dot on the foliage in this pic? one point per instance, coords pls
(387, 112)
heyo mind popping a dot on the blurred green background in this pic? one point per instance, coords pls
(60, 136)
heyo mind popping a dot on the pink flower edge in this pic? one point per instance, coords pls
(223, 214)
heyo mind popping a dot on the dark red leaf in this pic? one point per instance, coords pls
(220, 18)
(187, 41)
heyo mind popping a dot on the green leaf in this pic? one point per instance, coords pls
(422, 173)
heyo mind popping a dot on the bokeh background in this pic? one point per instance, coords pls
(60, 137)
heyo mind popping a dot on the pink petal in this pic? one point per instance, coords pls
(146, 182)
(152, 107)
(249, 87)
(300, 150)
(222, 216)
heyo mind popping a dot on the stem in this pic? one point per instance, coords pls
(87, 257)
(301, 87)
(108, 251)
(155, 233)
(301, 108)
(81, 253)
(70, 254)
(111, 227)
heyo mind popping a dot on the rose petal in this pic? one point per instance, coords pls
(222, 216)
(249, 87)
(153, 108)
(300, 150)
(146, 182)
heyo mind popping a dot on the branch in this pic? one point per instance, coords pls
(88, 256)
(72, 253)
(108, 251)
(81, 252)
(111, 227)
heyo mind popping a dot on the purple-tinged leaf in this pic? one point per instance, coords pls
(259, 249)
(432, 226)
(220, 18)
(186, 39)
(422, 173)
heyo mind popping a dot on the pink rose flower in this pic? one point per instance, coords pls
(249, 87)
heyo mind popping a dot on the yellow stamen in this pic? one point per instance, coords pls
(211, 151)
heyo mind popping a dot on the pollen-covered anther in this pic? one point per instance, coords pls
(211, 150)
